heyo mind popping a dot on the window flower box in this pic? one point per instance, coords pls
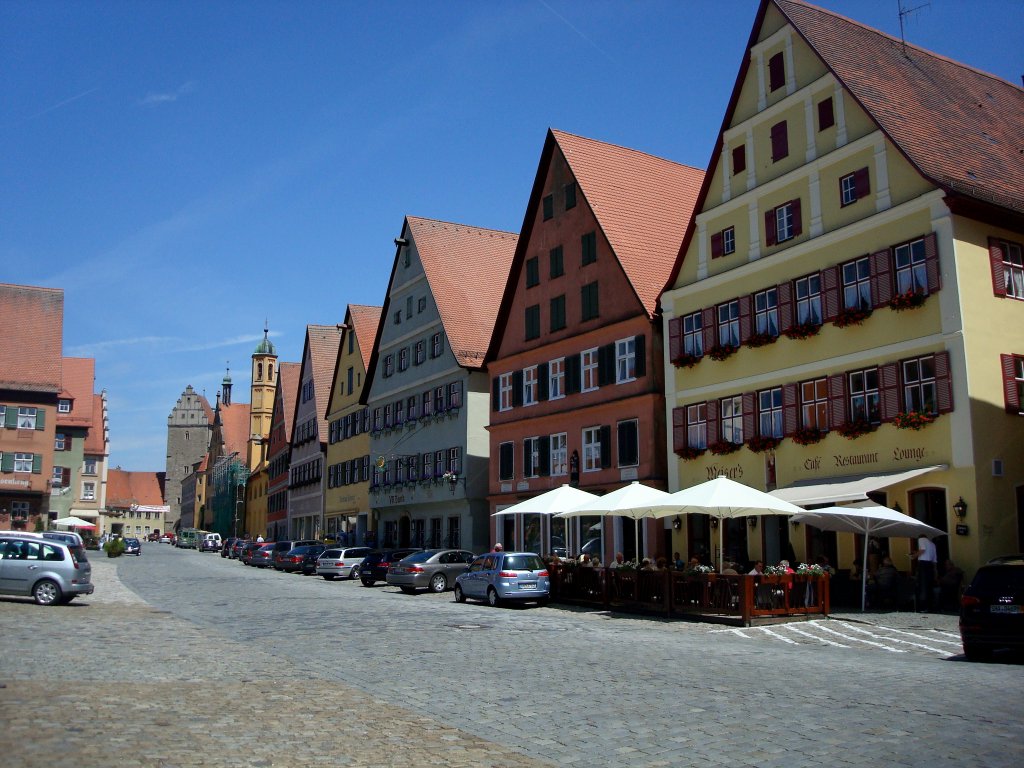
(723, 448)
(808, 436)
(760, 340)
(851, 316)
(851, 430)
(802, 331)
(689, 454)
(686, 360)
(908, 300)
(761, 443)
(913, 420)
(722, 351)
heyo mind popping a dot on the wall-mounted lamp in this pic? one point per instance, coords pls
(453, 481)
(752, 522)
(897, 508)
(677, 523)
(714, 522)
(960, 509)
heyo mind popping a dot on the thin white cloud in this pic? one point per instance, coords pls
(575, 29)
(96, 347)
(64, 103)
(231, 342)
(156, 99)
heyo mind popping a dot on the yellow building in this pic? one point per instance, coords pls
(847, 317)
(346, 500)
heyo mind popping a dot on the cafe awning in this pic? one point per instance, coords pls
(835, 490)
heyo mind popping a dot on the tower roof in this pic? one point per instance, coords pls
(265, 347)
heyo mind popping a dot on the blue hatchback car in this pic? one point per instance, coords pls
(499, 576)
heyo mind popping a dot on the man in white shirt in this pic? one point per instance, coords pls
(927, 565)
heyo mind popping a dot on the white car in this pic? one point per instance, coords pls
(341, 562)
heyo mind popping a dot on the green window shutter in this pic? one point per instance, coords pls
(7, 462)
(40, 420)
(11, 418)
(37, 463)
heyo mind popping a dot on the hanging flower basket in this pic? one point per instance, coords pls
(686, 360)
(775, 570)
(851, 316)
(805, 436)
(722, 351)
(811, 570)
(908, 300)
(851, 430)
(913, 420)
(761, 443)
(802, 330)
(760, 340)
(723, 448)
(689, 454)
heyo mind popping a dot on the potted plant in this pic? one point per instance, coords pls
(724, 447)
(913, 420)
(689, 454)
(760, 340)
(722, 351)
(851, 430)
(911, 299)
(802, 330)
(851, 316)
(114, 547)
(761, 443)
(686, 360)
(808, 436)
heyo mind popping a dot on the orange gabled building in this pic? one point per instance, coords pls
(576, 361)
(279, 455)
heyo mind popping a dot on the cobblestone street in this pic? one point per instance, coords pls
(185, 659)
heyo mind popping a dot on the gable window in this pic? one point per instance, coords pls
(532, 321)
(559, 454)
(766, 312)
(865, 401)
(531, 456)
(398, 317)
(739, 158)
(697, 425)
(421, 305)
(403, 358)
(808, 300)
(589, 369)
(826, 114)
(1007, 268)
(782, 223)
(776, 72)
(557, 262)
(588, 248)
(64, 405)
(548, 204)
(570, 196)
(625, 360)
(857, 283)
(729, 324)
(591, 449)
(723, 243)
(532, 272)
(854, 186)
(350, 379)
(919, 390)
(1013, 382)
(911, 273)
(628, 443)
(556, 379)
(435, 345)
(558, 313)
(419, 352)
(389, 365)
(588, 297)
(780, 141)
(505, 392)
(814, 404)
(769, 412)
(506, 461)
(693, 335)
(731, 419)
(530, 385)
(408, 307)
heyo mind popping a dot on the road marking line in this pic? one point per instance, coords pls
(733, 631)
(857, 639)
(925, 637)
(801, 631)
(895, 640)
(777, 636)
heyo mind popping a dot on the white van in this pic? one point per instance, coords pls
(210, 542)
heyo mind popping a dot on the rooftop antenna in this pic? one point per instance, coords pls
(904, 13)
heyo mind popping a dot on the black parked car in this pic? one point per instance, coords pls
(376, 563)
(300, 559)
(992, 608)
(228, 543)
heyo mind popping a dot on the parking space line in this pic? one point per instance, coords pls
(931, 638)
(777, 636)
(801, 631)
(853, 628)
(856, 639)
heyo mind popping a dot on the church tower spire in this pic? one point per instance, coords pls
(264, 383)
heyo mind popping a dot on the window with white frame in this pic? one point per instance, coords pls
(808, 300)
(453, 460)
(731, 419)
(766, 312)
(530, 385)
(505, 392)
(588, 359)
(389, 365)
(625, 360)
(911, 274)
(693, 334)
(591, 449)
(88, 491)
(559, 454)
(784, 223)
(419, 352)
(857, 283)
(919, 393)
(556, 378)
(865, 400)
(769, 412)
(57, 477)
(697, 425)
(20, 509)
(531, 456)
(26, 418)
(814, 404)
(435, 345)
(729, 324)
(403, 359)
(59, 441)
(1008, 260)
(89, 466)
(23, 462)
(64, 405)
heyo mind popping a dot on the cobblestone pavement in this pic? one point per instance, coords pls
(206, 662)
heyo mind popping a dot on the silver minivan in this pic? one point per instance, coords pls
(51, 572)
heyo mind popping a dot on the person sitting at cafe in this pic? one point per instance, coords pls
(786, 566)
(595, 561)
(882, 588)
(661, 564)
(617, 562)
(646, 565)
(691, 567)
(758, 569)
(730, 570)
(677, 561)
(585, 561)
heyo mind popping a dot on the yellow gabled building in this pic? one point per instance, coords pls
(346, 500)
(846, 320)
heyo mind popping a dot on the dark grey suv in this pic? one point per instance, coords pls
(992, 608)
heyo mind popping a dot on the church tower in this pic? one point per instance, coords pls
(264, 382)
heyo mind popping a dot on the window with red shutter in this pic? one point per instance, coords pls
(716, 245)
(739, 158)
(1013, 382)
(776, 72)
(780, 141)
(826, 114)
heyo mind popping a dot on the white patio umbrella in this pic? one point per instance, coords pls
(869, 520)
(73, 522)
(559, 499)
(634, 501)
(724, 498)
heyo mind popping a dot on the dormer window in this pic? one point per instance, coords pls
(63, 406)
(776, 72)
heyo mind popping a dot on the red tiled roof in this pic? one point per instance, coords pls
(642, 203)
(467, 269)
(322, 347)
(33, 338)
(234, 427)
(95, 443)
(364, 321)
(288, 380)
(962, 128)
(78, 379)
(125, 488)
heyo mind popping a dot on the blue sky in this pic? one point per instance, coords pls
(186, 170)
